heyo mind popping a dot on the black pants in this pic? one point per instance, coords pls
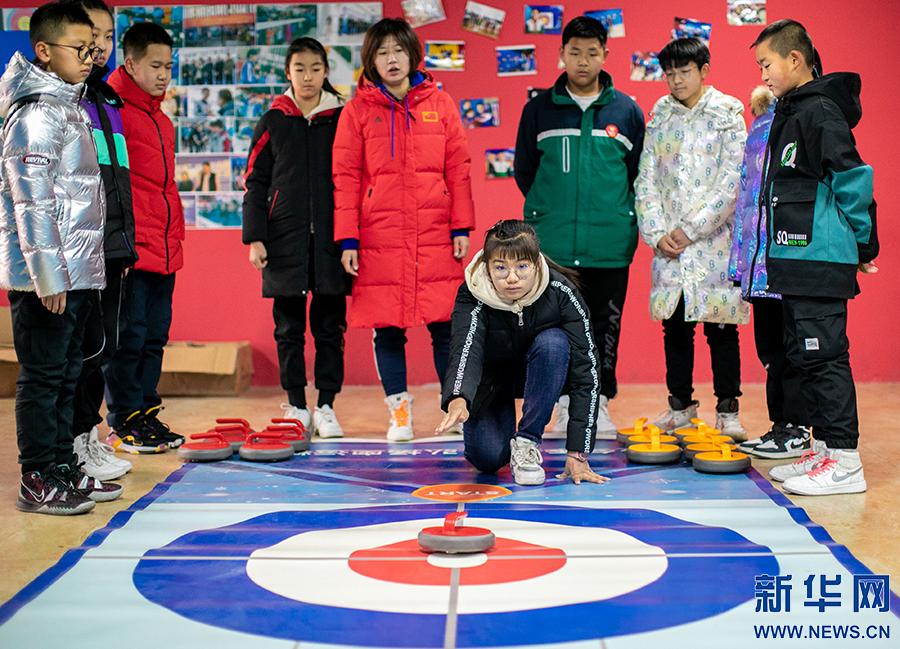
(724, 351)
(604, 291)
(132, 374)
(328, 322)
(815, 338)
(390, 355)
(101, 336)
(48, 348)
(783, 387)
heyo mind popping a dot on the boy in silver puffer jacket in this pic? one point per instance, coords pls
(51, 251)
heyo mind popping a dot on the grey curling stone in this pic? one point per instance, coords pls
(735, 465)
(204, 454)
(652, 457)
(463, 540)
(266, 454)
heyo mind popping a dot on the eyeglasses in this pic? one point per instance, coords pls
(84, 52)
(523, 270)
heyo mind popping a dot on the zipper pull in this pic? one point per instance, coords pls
(521, 322)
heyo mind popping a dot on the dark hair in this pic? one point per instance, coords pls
(49, 21)
(683, 51)
(92, 5)
(584, 27)
(376, 35)
(225, 94)
(514, 239)
(307, 44)
(142, 35)
(788, 35)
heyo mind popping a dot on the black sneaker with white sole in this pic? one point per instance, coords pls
(793, 442)
(43, 492)
(748, 445)
(161, 430)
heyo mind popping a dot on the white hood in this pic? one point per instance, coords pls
(479, 282)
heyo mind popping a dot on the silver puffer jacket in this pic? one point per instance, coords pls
(52, 203)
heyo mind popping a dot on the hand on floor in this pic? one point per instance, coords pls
(578, 471)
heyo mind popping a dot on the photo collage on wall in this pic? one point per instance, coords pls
(228, 68)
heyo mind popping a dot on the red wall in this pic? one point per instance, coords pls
(217, 294)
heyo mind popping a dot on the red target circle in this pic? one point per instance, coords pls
(508, 561)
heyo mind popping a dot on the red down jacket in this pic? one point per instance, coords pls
(158, 215)
(402, 184)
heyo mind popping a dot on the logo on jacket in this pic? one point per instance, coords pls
(430, 116)
(36, 160)
(612, 130)
(789, 155)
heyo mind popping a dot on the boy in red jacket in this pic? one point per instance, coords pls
(133, 372)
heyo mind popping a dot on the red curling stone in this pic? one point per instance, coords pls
(453, 538)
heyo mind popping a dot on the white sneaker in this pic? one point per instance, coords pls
(292, 412)
(561, 425)
(401, 427)
(102, 447)
(671, 419)
(802, 466)
(841, 472)
(95, 464)
(729, 423)
(325, 422)
(606, 429)
(525, 461)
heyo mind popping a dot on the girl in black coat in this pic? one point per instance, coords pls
(520, 329)
(289, 226)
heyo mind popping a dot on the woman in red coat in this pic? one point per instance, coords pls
(403, 206)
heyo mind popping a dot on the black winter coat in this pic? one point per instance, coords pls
(289, 203)
(488, 348)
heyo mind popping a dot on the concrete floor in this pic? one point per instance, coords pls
(868, 524)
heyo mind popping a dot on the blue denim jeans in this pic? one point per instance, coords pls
(487, 434)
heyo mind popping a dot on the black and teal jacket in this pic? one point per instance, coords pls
(818, 192)
(577, 170)
(103, 106)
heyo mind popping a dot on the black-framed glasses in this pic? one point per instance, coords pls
(84, 52)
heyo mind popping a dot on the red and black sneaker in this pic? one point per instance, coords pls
(99, 492)
(134, 436)
(44, 493)
(161, 430)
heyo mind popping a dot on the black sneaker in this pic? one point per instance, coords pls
(135, 436)
(45, 493)
(748, 445)
(161, 430)
(99, 492)
(794, 441)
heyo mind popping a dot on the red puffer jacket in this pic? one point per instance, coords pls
(158, 215)
(402, 185)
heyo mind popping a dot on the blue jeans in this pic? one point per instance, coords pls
(133, 372)
(488, 432)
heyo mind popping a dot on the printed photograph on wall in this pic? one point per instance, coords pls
(690, 28)
(516, 60)
(238, 171)
(203, 173)
(746, 12)
(645, 66)
(229, 25)
(612, 19)
(206, 135)
(480, 113)
(220, 210)
(482, 19)
(423, 12)
(18, 19)
(499, 162)
(243, 134)
(543, 19)
(449, 56)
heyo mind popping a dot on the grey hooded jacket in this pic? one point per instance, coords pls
(52, 204)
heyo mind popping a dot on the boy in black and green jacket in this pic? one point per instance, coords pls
(577, 156)
(817, 195)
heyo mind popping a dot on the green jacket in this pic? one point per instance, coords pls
(576, 169)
